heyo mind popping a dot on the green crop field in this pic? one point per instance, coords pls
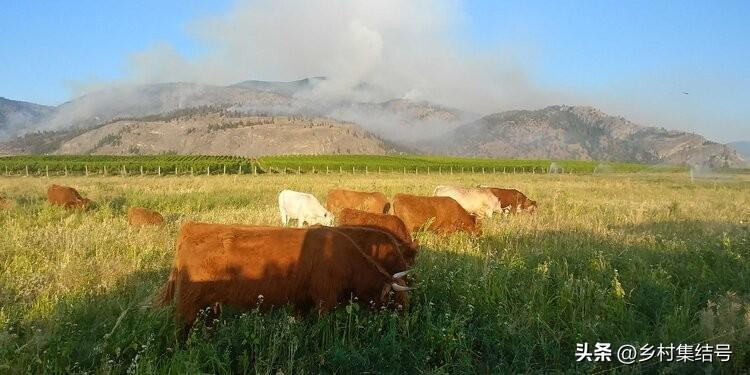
(56, 165)
(624, 258)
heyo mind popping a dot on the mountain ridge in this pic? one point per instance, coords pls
(553, 132)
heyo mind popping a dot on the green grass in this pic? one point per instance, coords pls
(621, 258)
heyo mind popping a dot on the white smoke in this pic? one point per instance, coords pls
(405, 48)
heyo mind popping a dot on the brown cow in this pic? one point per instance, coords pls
(66, 197)
(513, 200)
(443, 214)
(389, 223)
(246, 267)
(374, 202)
(139, 216)
(391, 253)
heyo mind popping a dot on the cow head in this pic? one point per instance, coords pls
(398, 286)
(529, 206)
(327, 219)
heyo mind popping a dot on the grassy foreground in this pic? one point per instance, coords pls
(621, 258)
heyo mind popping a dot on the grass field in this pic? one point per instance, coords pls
(621, 258)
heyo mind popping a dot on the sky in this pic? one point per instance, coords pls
(681, 65)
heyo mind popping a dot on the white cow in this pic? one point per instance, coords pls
(304, 208)
(476, 201)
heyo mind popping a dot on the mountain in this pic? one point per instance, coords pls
(556, 132)
(743, 148)
(15, 115)
(579, 133)
(211, 131)
(282, 88)
(143, 100)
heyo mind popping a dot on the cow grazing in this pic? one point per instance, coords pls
(66, 197)
(443, 214)
(476, 201)
(246, 267)
(374, 202)
(513, 200)
(139, 216)
(390, 223)
(303, 207)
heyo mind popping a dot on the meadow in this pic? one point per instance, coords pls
(625, 258)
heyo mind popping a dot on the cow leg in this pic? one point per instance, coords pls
(300, 221)
(284, 218)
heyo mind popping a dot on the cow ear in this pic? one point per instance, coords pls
(384, 294)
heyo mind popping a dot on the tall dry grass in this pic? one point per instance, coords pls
(622, 258)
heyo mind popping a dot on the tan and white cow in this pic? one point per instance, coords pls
(476, 201)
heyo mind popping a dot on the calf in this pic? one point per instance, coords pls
(66, 197)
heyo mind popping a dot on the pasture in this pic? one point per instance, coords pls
(637, 258)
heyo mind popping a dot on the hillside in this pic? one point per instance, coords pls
(579, 133)
(743, 148)
(223, 133)
(556, 132)
(15, 115)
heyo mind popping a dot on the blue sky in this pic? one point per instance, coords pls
(633, 58)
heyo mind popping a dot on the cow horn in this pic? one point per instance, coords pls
(401, 274)
(401, 288)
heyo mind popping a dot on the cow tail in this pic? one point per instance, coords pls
(165, 295)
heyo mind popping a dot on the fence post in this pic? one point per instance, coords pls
(105, 170)
(87, 170)
(208, 170)
(472, 169)
(378, 169)
(503, 170)
(493, 170)
(514, 170)
(255, 170)
(141, 170)
(366, 171)
(158, 170)
(175, 170)
(428, 169)
(440, 169)
(352, 169)
(66, 171)
(462, 170)
(27, 171)
(523, 169)
(191, 171)
(341, 169)
(46, 170)
(482, 170)
(326, 169)
(299, 170)
(404, 170)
